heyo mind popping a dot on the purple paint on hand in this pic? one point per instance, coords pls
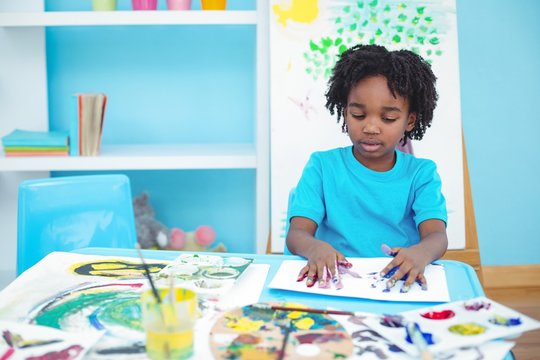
(387, 250)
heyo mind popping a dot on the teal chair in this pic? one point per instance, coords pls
(68, 213)
(286, 250)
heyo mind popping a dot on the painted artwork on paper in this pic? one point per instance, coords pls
(459, 324)
(370, 345)
(205, 274)
(116, 268)
(100, 295)
(254, 332)
(363, 280)
(112, 309)
(24, 341)
(306, 38)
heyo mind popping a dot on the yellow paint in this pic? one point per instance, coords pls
(295, 314)
(163, 345)
(302, 11)
(245, 324)
(304, 324)
(256, 354)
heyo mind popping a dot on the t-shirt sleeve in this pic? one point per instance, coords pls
(308, 198)
(429, 202)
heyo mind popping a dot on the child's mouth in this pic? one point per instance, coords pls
(371, 145)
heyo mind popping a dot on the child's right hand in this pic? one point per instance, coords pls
(322, 264)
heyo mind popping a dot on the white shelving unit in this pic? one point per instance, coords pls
(23, 103)
(115, 18)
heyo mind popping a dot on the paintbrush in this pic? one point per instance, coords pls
(263, 306)
(418, 340)
(147, 272)
(287, 325)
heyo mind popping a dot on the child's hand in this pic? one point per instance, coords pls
(322, 264)
(411, 263)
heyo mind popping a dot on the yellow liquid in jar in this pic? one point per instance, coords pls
(168, 345)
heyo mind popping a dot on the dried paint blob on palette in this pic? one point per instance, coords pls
(259, 333)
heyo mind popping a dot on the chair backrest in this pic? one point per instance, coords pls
(286, 250)
(68, 213)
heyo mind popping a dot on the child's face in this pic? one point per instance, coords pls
(376, 121)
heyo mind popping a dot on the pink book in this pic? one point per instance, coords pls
(36, 153)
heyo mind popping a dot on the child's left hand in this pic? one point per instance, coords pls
(411, 262)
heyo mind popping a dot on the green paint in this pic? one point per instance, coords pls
(107, 300)
(125, 312)
(416, 27)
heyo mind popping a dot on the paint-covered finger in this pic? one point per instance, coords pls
(322, 275)
(391, 266)
(409, 281)
(311, 279)
(303, 273)
(390, 283)
(422, 281)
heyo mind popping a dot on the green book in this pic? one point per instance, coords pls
(35, 148)
(35, 138)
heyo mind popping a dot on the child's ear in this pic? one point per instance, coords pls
(411, 120)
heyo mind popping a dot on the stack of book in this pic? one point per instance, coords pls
(36, 143)
(86, 124)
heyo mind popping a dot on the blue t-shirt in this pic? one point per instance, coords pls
(358, 209)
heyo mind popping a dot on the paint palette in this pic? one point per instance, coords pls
(253, 332)
(370, 345)
(453, 325)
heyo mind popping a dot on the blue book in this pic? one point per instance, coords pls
(35, 138)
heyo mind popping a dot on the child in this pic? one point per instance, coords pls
(350, 201)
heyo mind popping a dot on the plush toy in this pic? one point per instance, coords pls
(198, 240)
(152, 234)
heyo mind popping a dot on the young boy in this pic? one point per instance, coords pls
(349, 201)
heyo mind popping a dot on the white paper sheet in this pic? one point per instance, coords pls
(437, 290)
(444, 339)
(370, 345)
(61, 342)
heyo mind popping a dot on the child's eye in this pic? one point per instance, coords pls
(358, 116)
(389, 119)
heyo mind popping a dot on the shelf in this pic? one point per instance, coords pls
(143, 157)
(114, 18)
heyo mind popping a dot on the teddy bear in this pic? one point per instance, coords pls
(198, 240)
(152, 234)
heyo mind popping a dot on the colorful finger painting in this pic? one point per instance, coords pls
(362, 280)
(457, 324)
(251, 332)
(25, 341)
(371, 345)
(205, 274)
(109, 308)
(116, 268)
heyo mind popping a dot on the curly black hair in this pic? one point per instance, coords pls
(407, 73)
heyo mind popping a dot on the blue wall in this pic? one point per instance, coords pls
(499, 45)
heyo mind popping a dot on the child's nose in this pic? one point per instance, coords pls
(371, 127)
